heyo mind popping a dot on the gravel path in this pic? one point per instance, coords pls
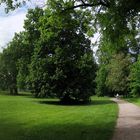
(128, 123)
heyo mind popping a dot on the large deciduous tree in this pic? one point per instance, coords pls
(63, 63)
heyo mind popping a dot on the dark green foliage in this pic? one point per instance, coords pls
(63, 63)
(3, 74)
(8, 71)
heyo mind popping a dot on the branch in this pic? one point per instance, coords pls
(83, 1)
(88, 5)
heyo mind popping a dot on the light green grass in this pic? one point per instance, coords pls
(134, 100)
(26, 118)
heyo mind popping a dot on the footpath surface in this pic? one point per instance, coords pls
(128, 123)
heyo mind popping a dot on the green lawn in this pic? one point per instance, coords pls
(134, 100)
(27, 118)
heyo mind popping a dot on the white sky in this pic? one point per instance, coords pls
(13, 22)
(9, 25)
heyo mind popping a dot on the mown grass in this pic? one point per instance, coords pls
(134, 100)
(27, 118)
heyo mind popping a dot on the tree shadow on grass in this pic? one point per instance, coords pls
(24, 94)
(101, 102)
(93, 102)
(7, 93)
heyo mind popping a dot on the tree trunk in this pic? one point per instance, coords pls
(13, 90)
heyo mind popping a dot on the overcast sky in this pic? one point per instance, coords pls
(13, 21)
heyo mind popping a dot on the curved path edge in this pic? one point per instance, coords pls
(128, 123)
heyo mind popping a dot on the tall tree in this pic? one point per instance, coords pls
(63, 63)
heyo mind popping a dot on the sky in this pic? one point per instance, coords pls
(13, 22)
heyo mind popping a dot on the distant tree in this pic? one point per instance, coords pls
(3, 74)
(8, 71)
(118, 72)
(101, 88)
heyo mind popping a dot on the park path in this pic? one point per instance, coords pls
(128, 123)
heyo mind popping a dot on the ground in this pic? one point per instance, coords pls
(27, 118)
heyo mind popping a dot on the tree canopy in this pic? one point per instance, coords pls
(57, 47)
